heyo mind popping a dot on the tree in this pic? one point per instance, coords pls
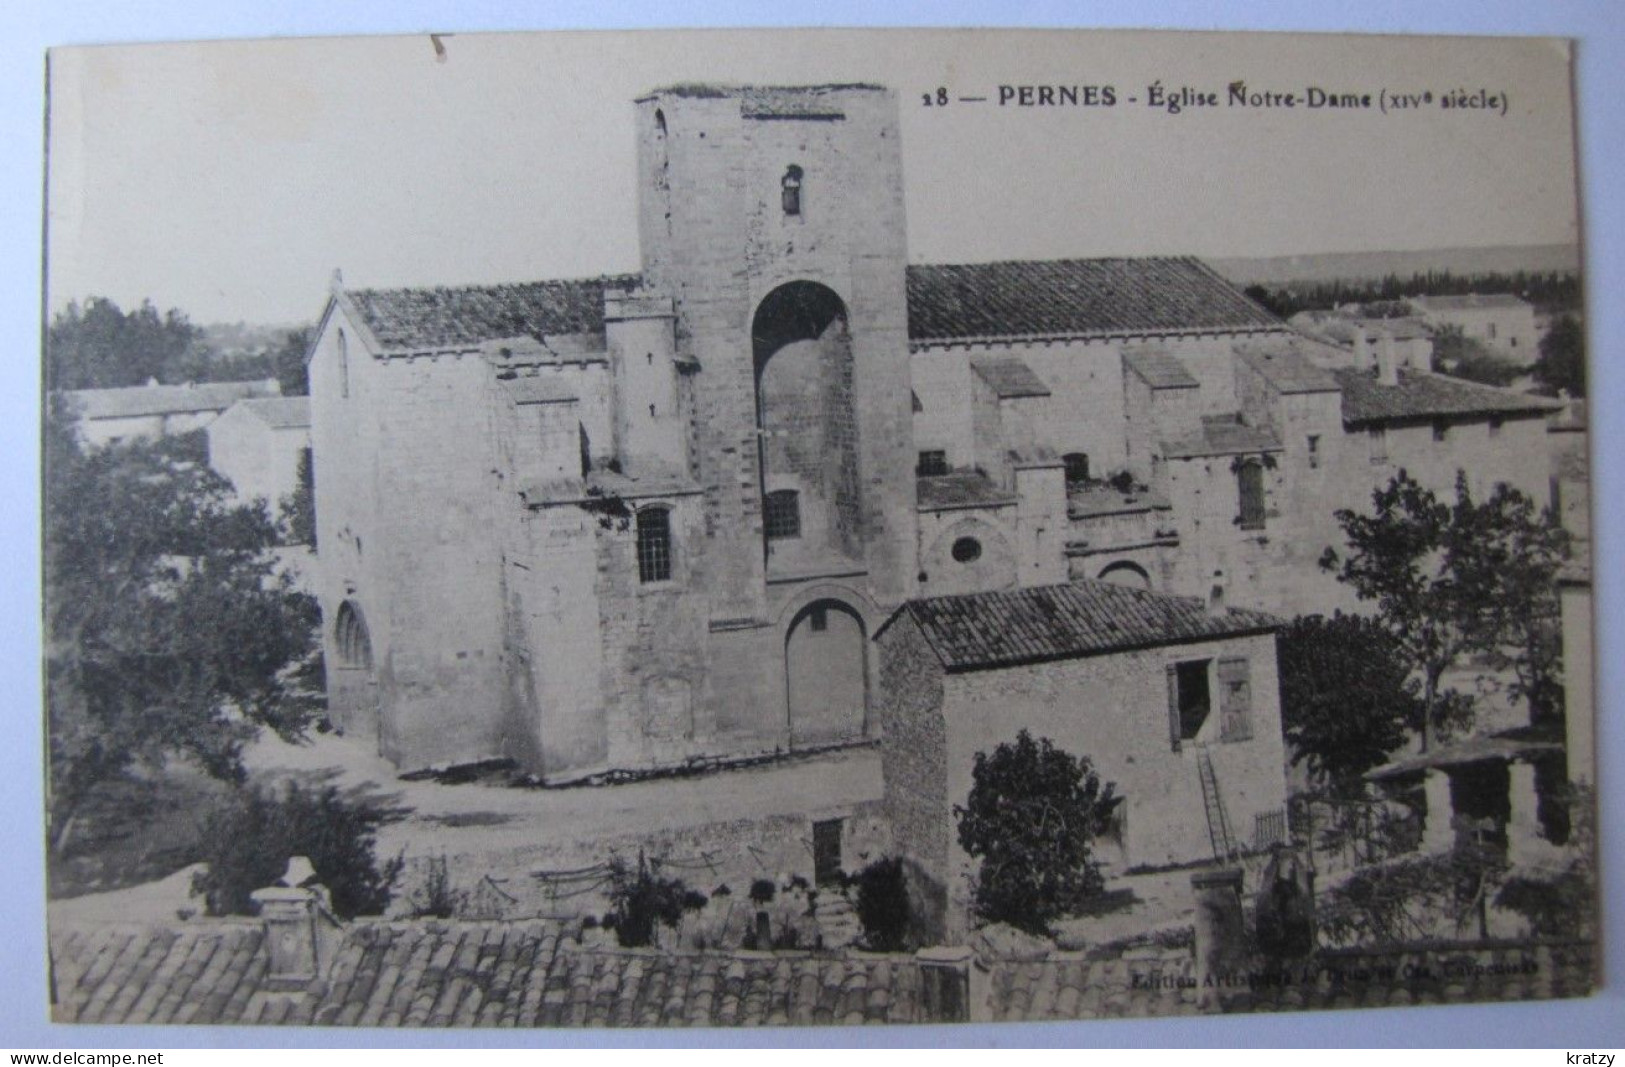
(247, 844)
(298, 508)
(1448, 581)
(1460, 356)
(1032, 814)
(167, 632)
(1347, 697)
(98, 346)
(1506, 566)
(288, 362)
(1561, 367)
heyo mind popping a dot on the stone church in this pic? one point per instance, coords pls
(631, 521)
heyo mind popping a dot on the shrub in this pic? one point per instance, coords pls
(640, 899)
(1031, 816)
(248, 842)
(436, 899)
(882, 905)
(762, 891)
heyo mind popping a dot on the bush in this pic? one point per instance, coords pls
(1030, 818)
(436, 899)
(640, 899)
(248, 842)
(882, 905)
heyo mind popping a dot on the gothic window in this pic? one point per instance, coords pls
(344, 365)
(932, 462)
(1314, 450)
(790, 190)
(781, 514)
(1077, 467)
(1250, 484)
(350, 635)
(654, 545)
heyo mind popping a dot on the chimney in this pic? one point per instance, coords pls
(1387, 365)
(1362, 351)
(301, 931)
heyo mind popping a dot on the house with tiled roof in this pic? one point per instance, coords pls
(147, 412)
(257, 445)
(1502, 322)
(1173, 700)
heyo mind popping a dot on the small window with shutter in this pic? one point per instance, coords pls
(1235, 700)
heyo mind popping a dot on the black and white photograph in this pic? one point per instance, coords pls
(814, 528)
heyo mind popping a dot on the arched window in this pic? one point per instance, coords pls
(790, 190)
(781, 514)
(654, 545)
(1077, 467)
(344, 365)
(350, 637)
(1250, 484)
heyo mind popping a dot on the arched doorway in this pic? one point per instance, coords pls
(826, 679)
(352, 681)
(807, 426)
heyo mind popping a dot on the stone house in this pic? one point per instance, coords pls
(639, 520)
(1502, 322)
(257, 445)
(1173, 700)
(147, 412)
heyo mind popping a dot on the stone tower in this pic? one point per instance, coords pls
(773, 220)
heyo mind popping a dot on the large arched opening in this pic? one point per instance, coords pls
(826, 677)
(352, 680)
(807, 426)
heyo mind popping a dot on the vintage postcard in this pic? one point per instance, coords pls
(784, 528)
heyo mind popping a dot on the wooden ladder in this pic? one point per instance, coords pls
(1218, 825)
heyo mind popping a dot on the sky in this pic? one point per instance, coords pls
(230, 179)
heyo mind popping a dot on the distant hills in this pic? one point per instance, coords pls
(1361, 266)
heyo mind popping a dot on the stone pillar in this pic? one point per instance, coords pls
(1438, 833)
(299, 929)
(1222, 947)
(1526, 844)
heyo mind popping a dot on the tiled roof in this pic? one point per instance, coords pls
(1076, 297)
(279, 412)
(1009, 377)
(1470, 301)
(1158, 369)
(962, 489)
(1287, 370)
(1423, 395)
(407, 319)
(1222, 435)
(436, 974)
(977, 631)
(138, 401)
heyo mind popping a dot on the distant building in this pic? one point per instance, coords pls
(1173, 700)
(148, 412)
(1500, 321)
(257, 445)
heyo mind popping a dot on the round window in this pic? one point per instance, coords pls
(967, 550)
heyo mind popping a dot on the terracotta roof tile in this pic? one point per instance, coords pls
(1423, 395)
(141, 401)
(978, 631)
(1222, 435)
(1009, 377)
(961, 489)
(1287, 369)
(407, 319)
(1076, 297)
(1158, 369)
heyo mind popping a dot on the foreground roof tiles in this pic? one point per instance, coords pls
(976, 631)
(1076, 298)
